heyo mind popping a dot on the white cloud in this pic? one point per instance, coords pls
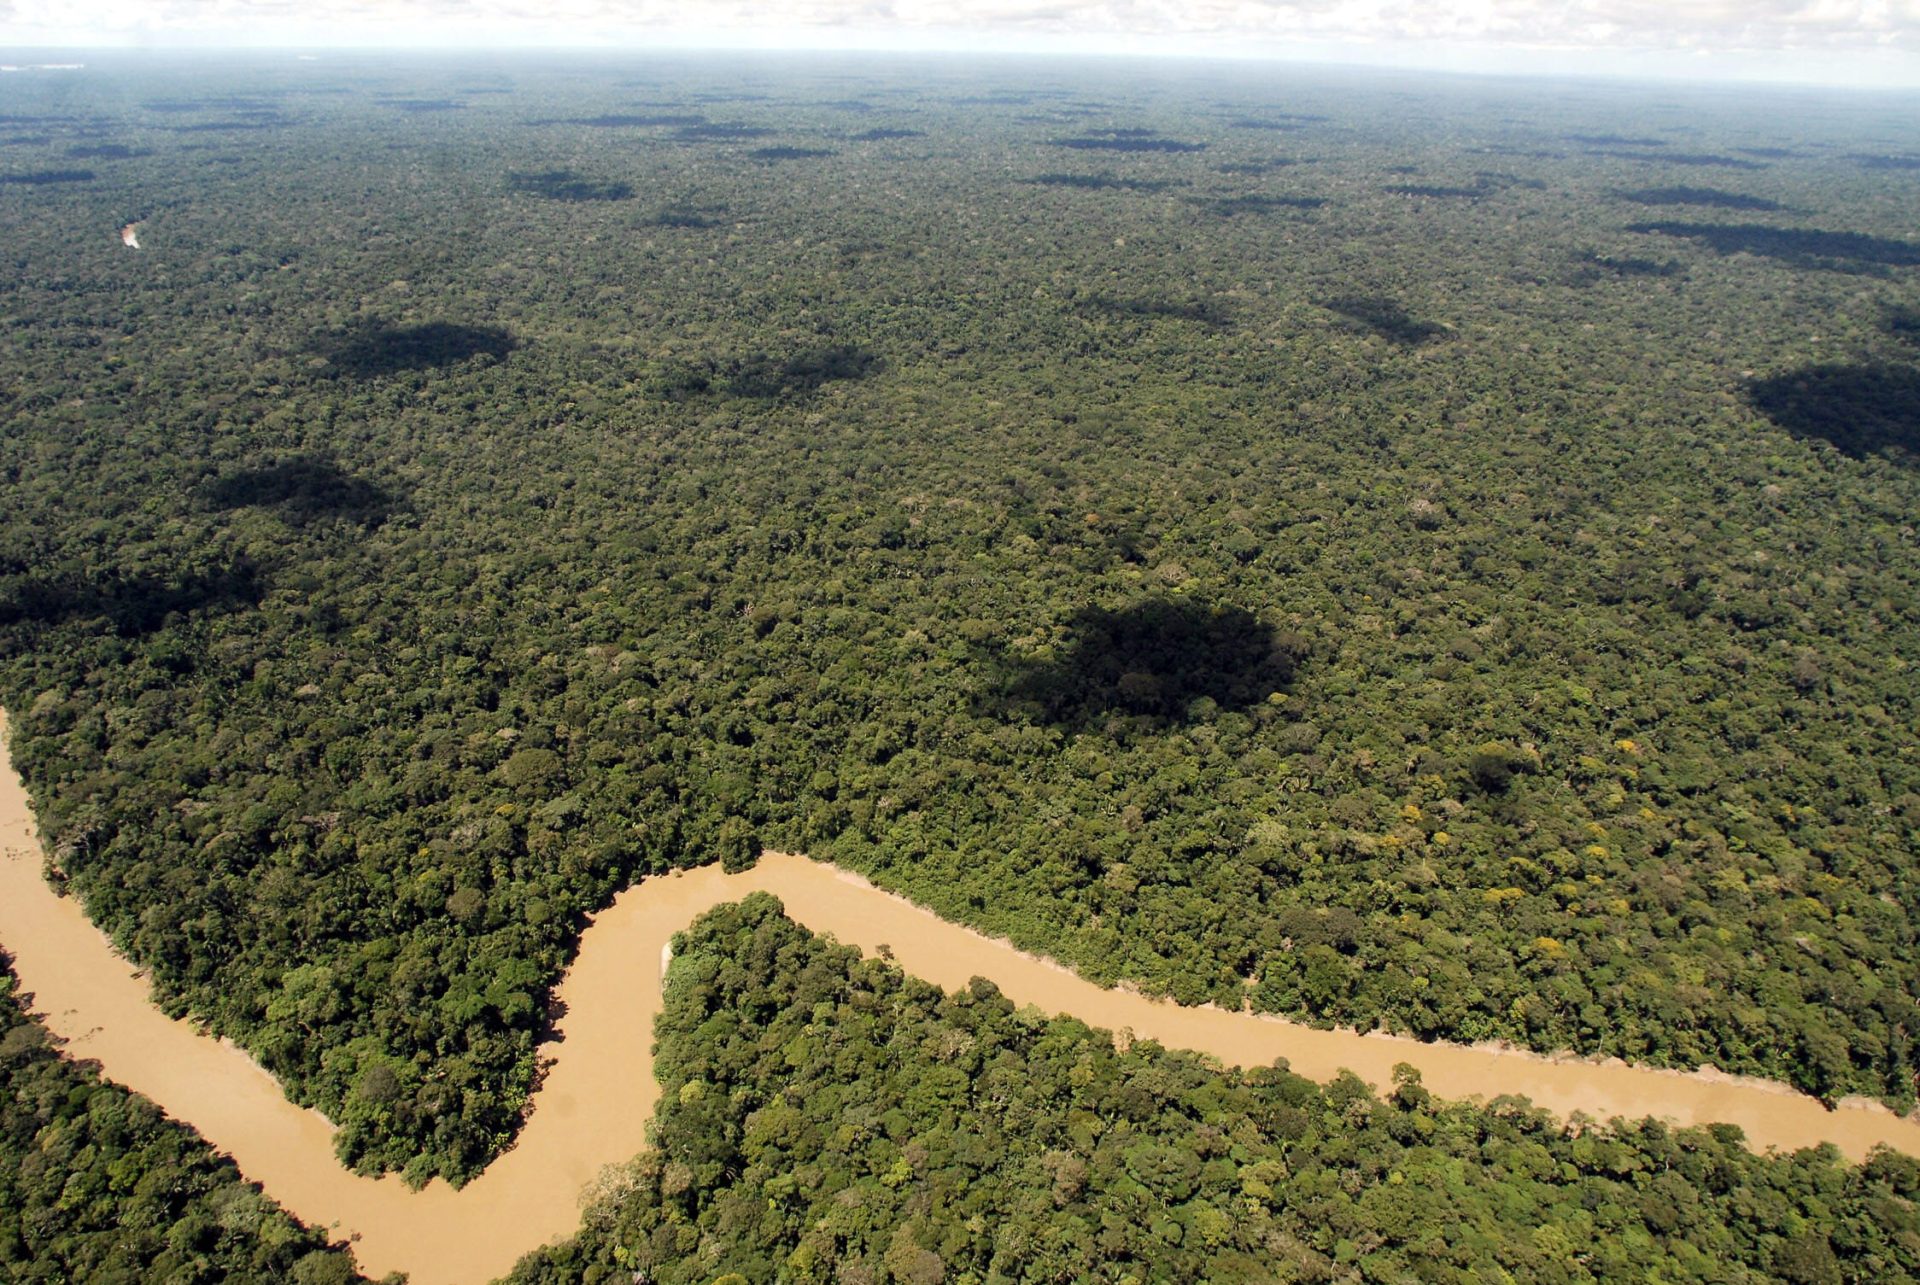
(1788, 35)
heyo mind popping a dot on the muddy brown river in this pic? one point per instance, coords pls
(592, 1109)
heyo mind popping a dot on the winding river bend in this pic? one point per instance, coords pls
(592, 1109)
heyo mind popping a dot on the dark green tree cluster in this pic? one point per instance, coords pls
(829, 1119)
(1203, 564)
(97, 1186)
(565, 185)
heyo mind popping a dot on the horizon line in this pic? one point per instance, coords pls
(1612, 67)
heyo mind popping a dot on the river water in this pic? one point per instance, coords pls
(593, 1107)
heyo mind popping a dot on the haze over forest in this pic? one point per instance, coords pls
(1397, 551)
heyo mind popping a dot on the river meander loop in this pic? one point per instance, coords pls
(593, 1107)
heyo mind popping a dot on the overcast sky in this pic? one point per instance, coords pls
(1846, 42)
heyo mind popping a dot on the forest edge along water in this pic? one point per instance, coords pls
(593, 1106)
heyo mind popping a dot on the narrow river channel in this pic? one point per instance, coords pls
(592, 1110)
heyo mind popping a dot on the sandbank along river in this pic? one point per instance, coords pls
(593, 1107)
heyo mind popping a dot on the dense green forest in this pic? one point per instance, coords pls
(1412, 552)
(828, 1119)
(96, 1185)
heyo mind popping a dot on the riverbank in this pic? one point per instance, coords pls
(593, 1107)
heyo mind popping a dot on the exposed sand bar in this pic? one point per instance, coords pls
(593, 1108)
